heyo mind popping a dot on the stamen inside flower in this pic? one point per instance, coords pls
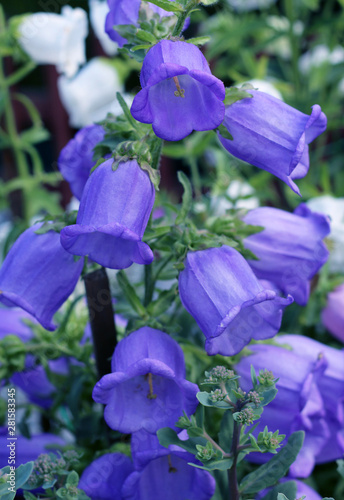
(170, 466)
(179, 92)
(151, 394)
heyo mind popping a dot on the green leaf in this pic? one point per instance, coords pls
(145, 36)
(167, 5)
(168, 436)
(233, 94)
(208, 2)
(72, 479)
(29, 496)
(268, 395)
(254, 377)
(130, 294)
(23, 473)
(281, 496)
(226, 431)
(126, 110)
(8, 496)
(140, 47)
(224, 132)
(204, 399)
(187, 197)
(223, 464)
(340, 467)
(267, 475)
(34, 135)
(199, 40)
(289, 489)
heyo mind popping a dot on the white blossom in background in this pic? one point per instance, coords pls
(239, 194)
(246, 5)
(265, 86)
(334, 208)
(98, 12)
(57, 39)
(91, 94)
(281, 45)
(319, 55)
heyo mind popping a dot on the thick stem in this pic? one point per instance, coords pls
(102, 321)
(232, 472)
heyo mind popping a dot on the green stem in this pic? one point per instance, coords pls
(182, 17)
(11, 129)
(196, 179)
(156, 152)
(217, 446)
(149, 285)
(232, 472)
(289, 9)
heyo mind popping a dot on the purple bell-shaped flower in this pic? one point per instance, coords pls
(38, 275)
(114, 212)
(290, 249)
(76, 158)
(231, 307)
(147, 389)
(166, 470)
(179, 94)
(272, 135)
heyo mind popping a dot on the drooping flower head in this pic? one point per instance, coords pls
(147, 387)
(114, 211)
(219, 289)
(38, 275)
(331, 388)
(28, 450)
(164, 470)
(290, 248)
(56, 39)
(104, 477)
(179, 94)
(76, 158)
(299, 403)
(272, 135)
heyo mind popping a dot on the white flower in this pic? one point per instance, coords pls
(267, 87)
(98, 12)
(319, 55)
(91, 94)
(238, 195)
(56, 39)
(334, 208)
(246, 5)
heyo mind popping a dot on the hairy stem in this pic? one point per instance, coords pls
(102, 321)
(182, 17)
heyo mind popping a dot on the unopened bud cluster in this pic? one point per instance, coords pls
(205, 453)
(218, 374)
(245, 416)
(254, 398)
(217, 395)
(266, 378)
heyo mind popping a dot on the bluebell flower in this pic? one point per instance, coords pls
(299, 404)
(179, 94)
(272, 135)
(147, 387)
(331, 388)
(38, 275)
(231, 307)
(104, 477)
(28, 450)
(164, 472)
(114, 211)
(76, 158)
(290, 248)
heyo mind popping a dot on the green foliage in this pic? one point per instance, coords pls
(266, 475)
(289, 489)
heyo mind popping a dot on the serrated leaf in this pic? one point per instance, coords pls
(167, 5)
(267, 475)
(187, 197)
